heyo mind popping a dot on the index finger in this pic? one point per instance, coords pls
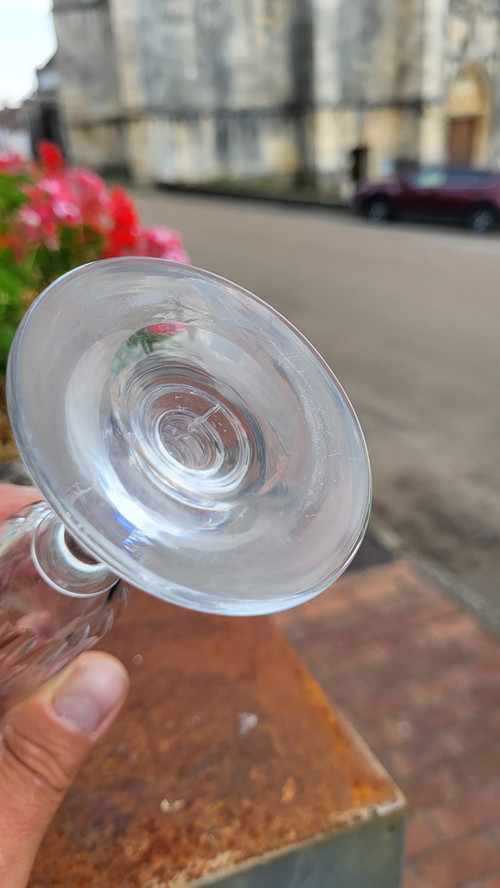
(14, 497)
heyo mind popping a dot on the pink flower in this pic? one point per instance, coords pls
(103, 224)
(91, 196)
(30, 217)
(160, 243)
(177, 254)
(168, 328)
(12, 162)
(31, 222)
(73, 198)
(67, 212)
(87, 180)
(37, 224)
(52, 185)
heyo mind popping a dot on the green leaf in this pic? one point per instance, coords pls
(11, 195)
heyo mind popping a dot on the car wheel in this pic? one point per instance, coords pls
(378, 209)
(482, 219)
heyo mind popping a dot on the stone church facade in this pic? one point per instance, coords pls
(321, 91)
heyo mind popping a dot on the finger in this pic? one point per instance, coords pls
(14, 497)
(43, 742)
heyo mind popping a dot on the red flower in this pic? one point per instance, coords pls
(14, 241)
(50, 157)
(122, 208)
(125, 223)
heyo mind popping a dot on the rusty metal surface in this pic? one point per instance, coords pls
(227, 750)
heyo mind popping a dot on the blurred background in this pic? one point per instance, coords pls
(274, 134)
(282, 92)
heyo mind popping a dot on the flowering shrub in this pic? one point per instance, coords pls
(54, 218)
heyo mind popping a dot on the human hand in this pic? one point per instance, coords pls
(45, 738)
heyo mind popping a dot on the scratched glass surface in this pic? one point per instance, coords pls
(192, 438)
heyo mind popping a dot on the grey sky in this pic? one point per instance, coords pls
(27, 40)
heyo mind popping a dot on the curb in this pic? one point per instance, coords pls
(386, 537)
(290, 199)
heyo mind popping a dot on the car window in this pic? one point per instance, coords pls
(428, 179)
(470, 178)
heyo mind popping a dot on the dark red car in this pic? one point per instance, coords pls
(469, 196)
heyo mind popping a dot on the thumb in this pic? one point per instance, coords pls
(43, 741)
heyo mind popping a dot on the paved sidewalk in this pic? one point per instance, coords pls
(420, 680)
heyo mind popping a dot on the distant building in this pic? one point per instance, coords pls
(330, 91)
(14, 131)
(42, 108)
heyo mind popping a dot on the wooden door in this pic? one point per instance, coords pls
(461, 134)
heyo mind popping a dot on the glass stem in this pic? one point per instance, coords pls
(64, 564)
(56, 600)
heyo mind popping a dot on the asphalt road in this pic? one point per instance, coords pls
(409, 319)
